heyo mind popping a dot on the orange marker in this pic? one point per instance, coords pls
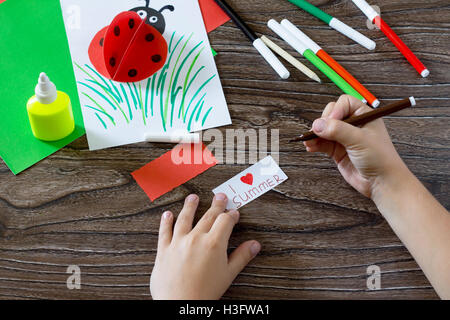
(331, 62)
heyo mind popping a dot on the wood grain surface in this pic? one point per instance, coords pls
(318, 235)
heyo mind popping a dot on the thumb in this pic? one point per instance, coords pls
(242, 255)
(339, 131)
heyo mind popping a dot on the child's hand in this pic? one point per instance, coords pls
(192, 263)
(368, 161)
(365, 156)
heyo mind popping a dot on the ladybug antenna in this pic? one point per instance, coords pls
(169, 7)
(147, 3)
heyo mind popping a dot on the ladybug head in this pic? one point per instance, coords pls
(153, 17)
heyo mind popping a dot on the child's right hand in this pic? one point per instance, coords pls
(365, 156)
(369, 162)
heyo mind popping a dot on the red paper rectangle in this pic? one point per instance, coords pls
(213, 15)
(174, 168)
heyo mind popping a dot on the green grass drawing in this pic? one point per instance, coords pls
(165, 96)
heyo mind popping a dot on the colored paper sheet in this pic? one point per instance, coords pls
(252, 183)
(33, 40)
(213, 15)
(183, 163)
(186, 95)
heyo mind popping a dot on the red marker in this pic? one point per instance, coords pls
(395, 39)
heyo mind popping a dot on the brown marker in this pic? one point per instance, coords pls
(366, 117)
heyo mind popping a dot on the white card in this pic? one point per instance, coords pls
(252, 183)
(185, 96)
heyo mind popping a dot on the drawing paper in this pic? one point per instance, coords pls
(186, 95)
(252, 183)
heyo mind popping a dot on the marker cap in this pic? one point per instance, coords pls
(352, 34)
(271, 59)
(300, 35)
(172, 138)
(45, 90)
(283, 33)
(366, 9)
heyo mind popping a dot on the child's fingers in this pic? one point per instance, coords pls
(165, 230)
(241, 256)
(346, 106)
(224, 224)
(218, 206)
(331, 149)
(320, 145)
(328, 109)
(339, 131)
(186, 216)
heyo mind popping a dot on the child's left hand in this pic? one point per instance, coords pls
(192, 263)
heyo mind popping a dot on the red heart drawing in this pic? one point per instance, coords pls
(247, 179)
(128, 50)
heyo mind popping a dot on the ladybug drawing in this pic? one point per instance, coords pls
(132, 48)
(153, 17)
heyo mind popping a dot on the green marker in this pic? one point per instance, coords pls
(332, 75)
(315, 60)
(335, 24)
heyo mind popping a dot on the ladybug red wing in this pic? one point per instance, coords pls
(118, 39)
(128, 50)
(145, 56)
(96, 53)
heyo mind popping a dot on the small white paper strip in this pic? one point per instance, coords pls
(252, 183)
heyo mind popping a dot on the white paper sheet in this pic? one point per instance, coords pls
(193, 101)
(252, 183)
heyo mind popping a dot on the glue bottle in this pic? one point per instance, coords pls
(50, 112)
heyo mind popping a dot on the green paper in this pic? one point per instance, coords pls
(332, 75)
(33, 40)
(213, 52)
(308, 7)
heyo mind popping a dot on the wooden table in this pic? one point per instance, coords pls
(318, 234)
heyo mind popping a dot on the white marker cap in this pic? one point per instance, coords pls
(413, 101)
(45, 90)
(300, 35)
(172, 138)
(271, 59)
(284, 34)
(366, 9)
(352, 34)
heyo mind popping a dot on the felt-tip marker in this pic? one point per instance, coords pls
(331, 62)
(259, 45)
(395, 39)
(367, 117)
(335, 23)
(301, 48)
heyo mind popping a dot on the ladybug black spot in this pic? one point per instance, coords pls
(156, 58)
(101, 42)
(112, 61)
(131, 23)
(149, 37)
(132, 73)
(117, 31)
